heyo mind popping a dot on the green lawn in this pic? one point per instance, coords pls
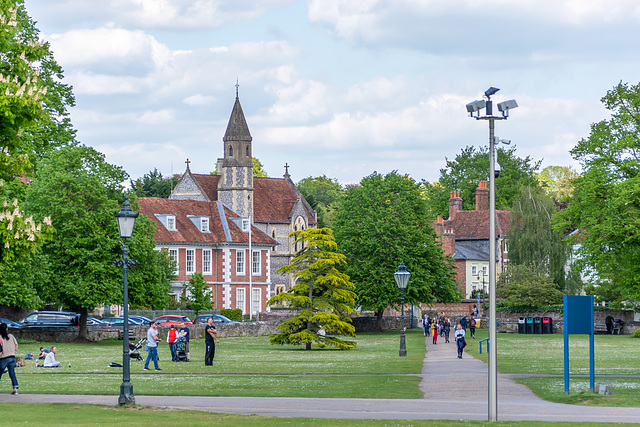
(243, 366)
(544, 354)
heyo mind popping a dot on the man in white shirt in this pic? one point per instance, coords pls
(50, 360)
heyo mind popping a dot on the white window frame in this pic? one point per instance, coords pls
(256, 257)
(474, 270)
(175, 255)
(256, 300)
(206, 261)
(190, 261)
(171, 222)
(485, 270)
(241, 300)
(204, 224)
(240, 262)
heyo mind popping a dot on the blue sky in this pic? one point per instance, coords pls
(336, 87)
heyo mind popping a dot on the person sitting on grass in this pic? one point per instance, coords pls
(50, 361)
(43, 353)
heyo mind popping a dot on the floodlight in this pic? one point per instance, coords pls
(497, 140)
(475, 106)
(490, 91)
(505, 106)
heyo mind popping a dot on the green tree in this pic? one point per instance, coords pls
(198, 294)
(81, 192)
(322, 295)
(526, 285)
(605, 207)
(33, 99)
(153, 184)
(384, 221)
(532, 239)
(471, 166)
(557, 181)
(323, 194)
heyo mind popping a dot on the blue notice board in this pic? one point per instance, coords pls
(578, 319)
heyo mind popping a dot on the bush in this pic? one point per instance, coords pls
(527, 286)
(233, 314)
(636, 334)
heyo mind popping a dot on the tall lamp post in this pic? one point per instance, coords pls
(126, 220)
(504, 107)
(402, 280)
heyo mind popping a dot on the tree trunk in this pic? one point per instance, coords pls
(82, 334)
(379, 320)
(308, 347)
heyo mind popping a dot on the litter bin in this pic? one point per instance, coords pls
(529, 326)
(547, 325)
(537, 325)
(521, 325)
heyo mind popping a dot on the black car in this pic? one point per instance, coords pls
(217, 318)
(51, 318)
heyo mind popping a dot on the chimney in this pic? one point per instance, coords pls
(449, 242)
(455, 204)
(482, 196)
(439, 227)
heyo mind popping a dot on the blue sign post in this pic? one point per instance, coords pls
(578, 319)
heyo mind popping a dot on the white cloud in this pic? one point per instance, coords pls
(198, 100)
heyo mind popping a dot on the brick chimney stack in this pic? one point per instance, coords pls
(455, 204)
(482, 196)
(449, 242)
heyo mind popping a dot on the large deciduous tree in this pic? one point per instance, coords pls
(472, 165)
(323, 194)
(527, 285)
(605, 206)
(533, 241)
(198, 294)
(153, 184)
(381, 222)
(322, 296)
(80, 191)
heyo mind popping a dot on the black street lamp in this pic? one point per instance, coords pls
(402, 280)
(126, 220)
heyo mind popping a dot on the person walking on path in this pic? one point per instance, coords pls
(184, 331)
(434, 331)
(463, 323)
(460, 341)
(472, 327)
(447, 330)
(8, 355)
(152, 346)
(425, 325)
(210, 339)
(171, 340)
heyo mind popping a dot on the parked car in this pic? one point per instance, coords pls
(144, 320)
(217, 318)
(119, 321)
(92, 321)
(51, 318)
(11, 323)
(172, 319)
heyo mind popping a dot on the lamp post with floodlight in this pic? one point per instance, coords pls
(402, 280)
(503, 107)
(126, 220)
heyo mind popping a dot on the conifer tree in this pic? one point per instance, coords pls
(322, 296)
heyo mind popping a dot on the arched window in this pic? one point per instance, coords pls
(248, 154)
(230, 151)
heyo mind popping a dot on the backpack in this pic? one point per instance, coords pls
(472, 323)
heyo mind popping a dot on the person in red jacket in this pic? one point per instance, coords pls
(171, 339)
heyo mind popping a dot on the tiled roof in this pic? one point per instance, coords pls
(187, 232)
(473, 250)
(475, 224)
(274, 198)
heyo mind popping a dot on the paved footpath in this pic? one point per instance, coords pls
(444, 379)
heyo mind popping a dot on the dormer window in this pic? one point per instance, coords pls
(204, 224)
(171, 223)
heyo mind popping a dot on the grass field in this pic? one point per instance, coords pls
(544, 355)
(243, 366)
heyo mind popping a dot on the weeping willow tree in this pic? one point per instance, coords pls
(322, 295)
(533, 242)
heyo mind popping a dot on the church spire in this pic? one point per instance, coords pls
(237, 129)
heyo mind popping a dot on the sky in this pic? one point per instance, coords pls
(340, 88)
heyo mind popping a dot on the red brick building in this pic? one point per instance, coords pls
(465, 236)
(206, 237)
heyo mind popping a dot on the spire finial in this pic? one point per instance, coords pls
(187, 162)
(286, 169)
(237, 86)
